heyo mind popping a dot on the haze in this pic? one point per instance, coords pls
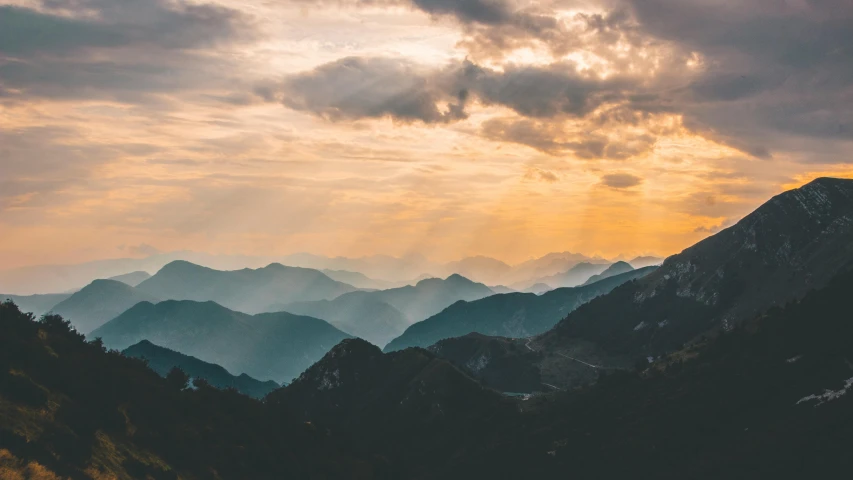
(443, 128)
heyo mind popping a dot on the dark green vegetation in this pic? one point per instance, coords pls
(98, 303)
(36, 304)
(245, 290)
(797, 241)
(508, 315)
(69, 407)
(268, 346)
(416, 302)
(162, 360)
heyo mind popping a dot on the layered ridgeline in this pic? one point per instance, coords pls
(35, 304)
(69, 409)
(572, 277)
(133, 278)
(98, 303)
(415, 302)
(363, 316)
(162, 360)
(617, 268)
(509, 315)
(245, 290)
(795, 242)
(771, 398)
(269, 346)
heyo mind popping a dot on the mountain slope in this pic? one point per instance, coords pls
(162, 360)
(268, 346)
(615, 269)
(246, 290)
(36, 304)
(133, 278)
(98, 303)
(770, 399)
(420, 301)
(647, 261)
(398, 405)
(507, 315)
(573, 277)
(795, 242)
(69, 409)
(363, 316)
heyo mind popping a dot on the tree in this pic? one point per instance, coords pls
(177, 378)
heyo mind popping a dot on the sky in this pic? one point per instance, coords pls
(447, 128)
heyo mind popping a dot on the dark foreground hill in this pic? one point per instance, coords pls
(509, 315)
(162, 360)
(797, 241)
(68, 409)
(269, 346)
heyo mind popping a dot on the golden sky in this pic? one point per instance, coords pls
(443, 127)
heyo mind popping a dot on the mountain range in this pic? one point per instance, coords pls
(510, 315)
(730, 360)
(269, 346)
(795, 242)
(245, 290)
(98, 303)
(615, 269)
(38, 304)
(162, 360)
(414, 302)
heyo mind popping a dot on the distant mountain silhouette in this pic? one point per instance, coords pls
(133, 278)
(647, 261)
(615, 269)
(36, 304)
(538, 288)
(269, 346)
(417, 302)
(574, 276)
(246, 290)
(795, 242)
(363, 316)
(480, 268)
(509, 315)
(501, 289)
(360, 280)
(98, 303)
(162, 360)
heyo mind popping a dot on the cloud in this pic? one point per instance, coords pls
(112, 48)
(354, 88)
(728, 222)
(373, 87)
(621, 180)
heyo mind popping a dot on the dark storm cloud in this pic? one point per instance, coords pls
(110, 47)
(354, 87)
(621, 180)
